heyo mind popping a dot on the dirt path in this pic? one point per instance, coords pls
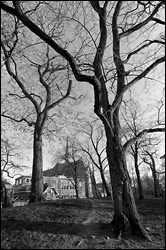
(89, 223)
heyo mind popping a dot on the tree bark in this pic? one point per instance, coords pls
(76, 189)
(37, 168)
(154, 174)
(108, 193)
(156, 184)
(125, 211)
(94, 187)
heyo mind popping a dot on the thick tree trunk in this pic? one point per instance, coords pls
(108, 193)
(140, 188)
(37, 171)
(125, 212)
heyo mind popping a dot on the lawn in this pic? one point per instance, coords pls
(78, 224)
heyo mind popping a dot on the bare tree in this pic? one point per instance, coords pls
(133, 124)
(96, 151)
(73, 169)
(124, 20)
(148, 157)
(9, 155)
(42, 103)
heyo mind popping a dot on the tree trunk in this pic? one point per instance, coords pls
(125, 212)
(37, 169)
(5, 198)
(94, 187)
(140, 188)
(156, 184)
(108, 193)
(76, 189)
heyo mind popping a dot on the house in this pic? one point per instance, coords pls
(65, 186)
(58, 186)
(24, 180)
(65, 170)
(22, 187)
(50, 193)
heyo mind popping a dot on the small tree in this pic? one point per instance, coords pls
(72, 159)
(9, 154)
(95, 148)
(133, 119)
(148, 158)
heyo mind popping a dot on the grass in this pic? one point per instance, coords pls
(78, 224)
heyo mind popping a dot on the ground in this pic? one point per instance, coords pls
(78, 224)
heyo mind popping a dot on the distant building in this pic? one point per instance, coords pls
(66, 170)
(22, 187)
(60, 184)
(50, 193)
(64, 186)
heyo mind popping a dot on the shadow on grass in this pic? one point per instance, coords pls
(95, 229)
(86, 204)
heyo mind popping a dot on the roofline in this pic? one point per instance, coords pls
(23, 176)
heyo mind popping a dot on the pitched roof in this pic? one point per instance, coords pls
(67, 169)
(52, 188)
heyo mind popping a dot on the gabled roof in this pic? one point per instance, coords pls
(55, 192)
(67, 169)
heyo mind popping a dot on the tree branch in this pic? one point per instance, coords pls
(140, 135)
(158, 21)
(17, 11)
(21, 120)
(9, 174)
(15, 77)
(135, 80)
(61, 99)
(145, 72)
(140, 25)
(141, 48)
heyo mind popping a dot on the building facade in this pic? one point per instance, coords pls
(22, 187)
(65, 187)
(62, 185)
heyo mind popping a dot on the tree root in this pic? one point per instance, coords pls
(121, 225)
